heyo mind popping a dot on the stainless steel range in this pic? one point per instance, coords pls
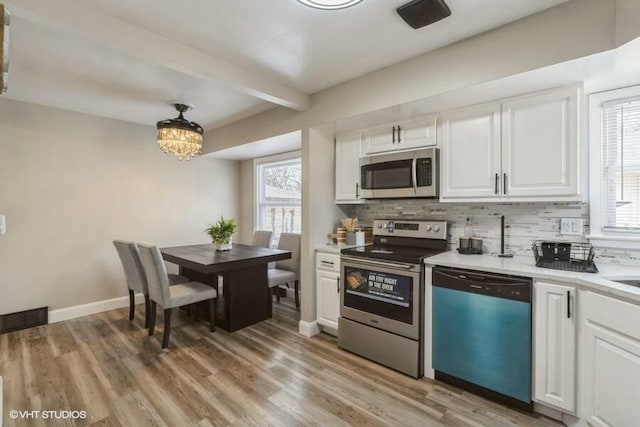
(382, 297)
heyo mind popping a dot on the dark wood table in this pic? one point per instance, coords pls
(244, 298)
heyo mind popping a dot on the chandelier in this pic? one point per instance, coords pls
(179, 136)
(330, 4)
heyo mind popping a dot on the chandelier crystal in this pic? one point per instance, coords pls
(179, 136)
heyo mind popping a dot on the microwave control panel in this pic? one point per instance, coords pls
(424, 172)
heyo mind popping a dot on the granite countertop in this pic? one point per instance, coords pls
(525, 266)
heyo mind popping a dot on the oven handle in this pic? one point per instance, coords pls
(414, 176)
(388, 264)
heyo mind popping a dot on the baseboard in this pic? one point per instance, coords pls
(67, 313)
(308, 329)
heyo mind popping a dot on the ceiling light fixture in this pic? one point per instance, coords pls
(330, 4)
(179, 136)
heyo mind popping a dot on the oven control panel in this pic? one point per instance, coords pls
(425, 229)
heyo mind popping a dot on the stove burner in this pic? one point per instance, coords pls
(380, 251)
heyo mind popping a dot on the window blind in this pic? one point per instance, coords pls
(621, 164)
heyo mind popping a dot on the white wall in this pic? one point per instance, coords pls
(320, 215)
(246, 219)
(71, 183)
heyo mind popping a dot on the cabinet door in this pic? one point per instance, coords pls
(416, 133)
(611, 376)
(348, 168)
(328, 298)
(555, 345)
(540, 145)
(380, 139)
(470, 153)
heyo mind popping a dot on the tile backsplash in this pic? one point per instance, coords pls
(525, 222)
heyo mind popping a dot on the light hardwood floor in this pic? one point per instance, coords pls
(266, 374)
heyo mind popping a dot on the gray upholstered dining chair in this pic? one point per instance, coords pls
(170, 297)
(134, 274)
(261, 238)
(287, 271)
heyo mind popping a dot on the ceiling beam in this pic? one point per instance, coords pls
(73, 17)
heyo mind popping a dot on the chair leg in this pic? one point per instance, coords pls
(212, 314)
(167, 327)
(152, 318)
(277, 291)
(147, 315)
(296, 286)
(132, 305)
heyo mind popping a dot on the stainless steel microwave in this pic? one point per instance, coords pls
(400, 175)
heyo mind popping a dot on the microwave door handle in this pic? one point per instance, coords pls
(414, 176)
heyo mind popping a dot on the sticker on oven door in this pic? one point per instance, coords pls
(385, 287)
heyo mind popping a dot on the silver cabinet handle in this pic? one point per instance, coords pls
(393, 138)
(357, 190)
(399, 137)
(497, 179)
(326, 262)
(568, 304)
(338, 283)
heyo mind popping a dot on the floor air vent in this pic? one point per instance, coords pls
(24, 319)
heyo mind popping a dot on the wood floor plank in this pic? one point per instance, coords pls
(266, 374)
(133, 409)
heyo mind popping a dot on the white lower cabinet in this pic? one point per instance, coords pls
(611, 362)
(327, 291)
(555, 345)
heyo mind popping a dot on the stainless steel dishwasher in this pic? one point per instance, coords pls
(482, 334)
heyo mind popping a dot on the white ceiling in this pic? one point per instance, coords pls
(225, 57)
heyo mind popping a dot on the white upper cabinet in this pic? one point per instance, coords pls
(379, 139)
(540, 145)
(522, 149)
(416, 133)
(348, 148)
(555, 345)
(470, 152)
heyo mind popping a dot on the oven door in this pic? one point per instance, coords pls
(382, 294)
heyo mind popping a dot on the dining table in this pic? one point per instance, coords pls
(239, 275)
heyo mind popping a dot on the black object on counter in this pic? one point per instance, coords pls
(502, 254)
(576, 256)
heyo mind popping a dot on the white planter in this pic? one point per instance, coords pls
(222, 246)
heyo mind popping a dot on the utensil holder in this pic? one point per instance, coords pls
(351, 238)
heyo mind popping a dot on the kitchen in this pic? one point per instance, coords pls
(420, 99)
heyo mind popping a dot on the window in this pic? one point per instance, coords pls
(621, 164)
(278, 203)
(615, 164)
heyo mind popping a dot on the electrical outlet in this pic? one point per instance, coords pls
(571, 226)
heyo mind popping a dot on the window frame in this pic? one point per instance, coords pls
(257, 164)
(621, 239)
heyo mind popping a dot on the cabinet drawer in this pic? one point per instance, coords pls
(330, 262)
(614, 314)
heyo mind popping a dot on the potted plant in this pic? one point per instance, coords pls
(221, 233)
